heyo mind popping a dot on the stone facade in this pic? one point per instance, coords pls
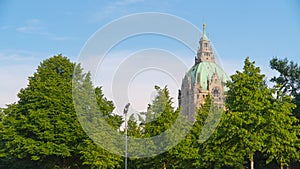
(204, 78)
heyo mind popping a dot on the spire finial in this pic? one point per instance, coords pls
(204, 37)
(204, 27)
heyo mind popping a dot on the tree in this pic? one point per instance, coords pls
(134, 130)
(247, 101)
(93, 155)
(256, 122)
(4, 160)
(106, 108)
(42, 129)
(160, 116)
(208, 139)
(1, 113)
(288, 80)
(282, 142)
(94, 112)
(41, 126)
(96, 157)
(288, 83)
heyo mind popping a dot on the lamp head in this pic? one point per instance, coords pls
(126, 108)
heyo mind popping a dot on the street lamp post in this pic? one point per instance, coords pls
(125, 113)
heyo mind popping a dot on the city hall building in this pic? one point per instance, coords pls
(203, 78)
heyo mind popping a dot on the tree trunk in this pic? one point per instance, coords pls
(281, 166)
(165, 167)
(251, 161)
(212, 165)
(252, 164)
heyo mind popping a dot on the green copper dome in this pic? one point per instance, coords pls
(202, 73)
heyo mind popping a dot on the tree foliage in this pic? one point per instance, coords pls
(41, 130)
(210, 152)
(282, 142)
(248, 99)
(159, 117)
(288, 80)
(258, 122)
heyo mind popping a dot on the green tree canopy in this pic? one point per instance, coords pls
(160, 116)
(256, 121)
(288, 80)
(41, 130)
(248, 99)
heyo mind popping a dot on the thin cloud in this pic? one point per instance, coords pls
(14, 57)
(33, 21)
(55, 37)
(128, 2)
(30, 26)
(27, 29)
(35, 27)
(114, 7)
(5, 27)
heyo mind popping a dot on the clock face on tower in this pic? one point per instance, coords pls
(216, 92)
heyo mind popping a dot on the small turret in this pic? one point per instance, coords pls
(204, 53)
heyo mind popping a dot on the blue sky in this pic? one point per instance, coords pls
(33, 30)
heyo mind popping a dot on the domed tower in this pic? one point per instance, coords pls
(205, 77)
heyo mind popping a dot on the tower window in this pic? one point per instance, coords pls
(205, 45)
